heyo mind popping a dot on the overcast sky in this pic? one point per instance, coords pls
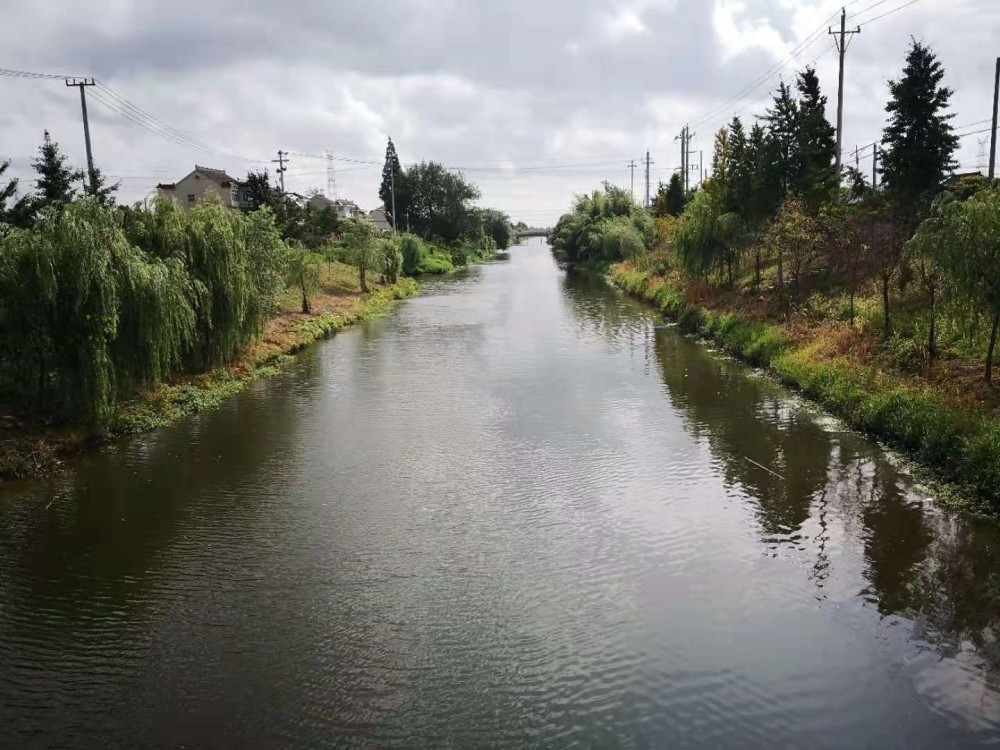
(535, 101)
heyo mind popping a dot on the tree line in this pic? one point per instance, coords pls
(98, 299)
(776, 221)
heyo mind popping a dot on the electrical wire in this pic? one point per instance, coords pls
(890, 12)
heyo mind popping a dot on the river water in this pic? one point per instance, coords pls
(520, 511)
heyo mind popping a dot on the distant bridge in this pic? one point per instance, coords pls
(532, 232)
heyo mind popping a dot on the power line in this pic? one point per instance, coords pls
(890, 12)
(10, 73)
(807, 42)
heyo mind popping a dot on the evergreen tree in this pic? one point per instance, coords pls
(257, 191)
(676, 200)
(741, 168)
(765, 151)
(55, 183)
(658, 206)
(816, 180)
(783, 123)
(721, 161)
(101, 190)
(7, 192)
(392, 192)
(918, 142)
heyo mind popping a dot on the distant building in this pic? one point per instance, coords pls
(201, 182)
(344, 208)
(380, 218)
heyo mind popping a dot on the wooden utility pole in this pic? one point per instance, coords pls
(874, 165)
(993, 133)
(841, 40)
(631, 168)
(648, 162)
(82, 84)
(392, 190)
(280, 161)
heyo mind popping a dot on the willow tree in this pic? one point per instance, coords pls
(304, 272)
(963, 238)
(362, 248)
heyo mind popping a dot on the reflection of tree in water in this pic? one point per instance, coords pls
(614, 317)
(896, 539)
(749, 430)
(956, 598)
(938, 569)
(94, 535)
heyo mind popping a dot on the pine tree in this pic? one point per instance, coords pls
(783, 122)
(816, 179)
(918, 142)
(738, 197)
(257, 191)
(101, 190)
(6, 192)
(393, 181)
(55, 183)
(676, 200)
(765, 150)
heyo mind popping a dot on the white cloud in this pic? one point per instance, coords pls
(578, 88)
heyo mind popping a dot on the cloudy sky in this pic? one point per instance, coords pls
(534, 101)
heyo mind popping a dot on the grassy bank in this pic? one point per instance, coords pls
(28, 449)
(941, 421)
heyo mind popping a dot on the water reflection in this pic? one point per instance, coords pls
(818, 491)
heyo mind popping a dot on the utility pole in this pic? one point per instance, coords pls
(82, 83)
(280, 161)
(631, 168)
(857, 158)
(685, 156)
(841, 40)
(648, 162)
(701, 168)
(392, 191)
(993, 133)
(874, 165)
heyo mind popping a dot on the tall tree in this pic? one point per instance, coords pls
(783, 123)
(392, 191)
(496, 224)
(918, 143)
(7, 192)
(257, 190)
(55, 182)
(738, 197)
(816, 180)
(101, 190)
(676, 199)
(439, 202)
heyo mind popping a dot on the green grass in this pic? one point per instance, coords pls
(962, 447)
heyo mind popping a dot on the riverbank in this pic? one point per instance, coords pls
(947, 420)
(28, 449)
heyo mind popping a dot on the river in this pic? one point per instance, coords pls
(519, 511)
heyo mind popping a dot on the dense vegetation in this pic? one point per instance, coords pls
(99, 300)
(603, 227)
(435, 206)
(874, 298)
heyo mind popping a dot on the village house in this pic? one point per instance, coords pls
(380, 218)
(201, 182)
